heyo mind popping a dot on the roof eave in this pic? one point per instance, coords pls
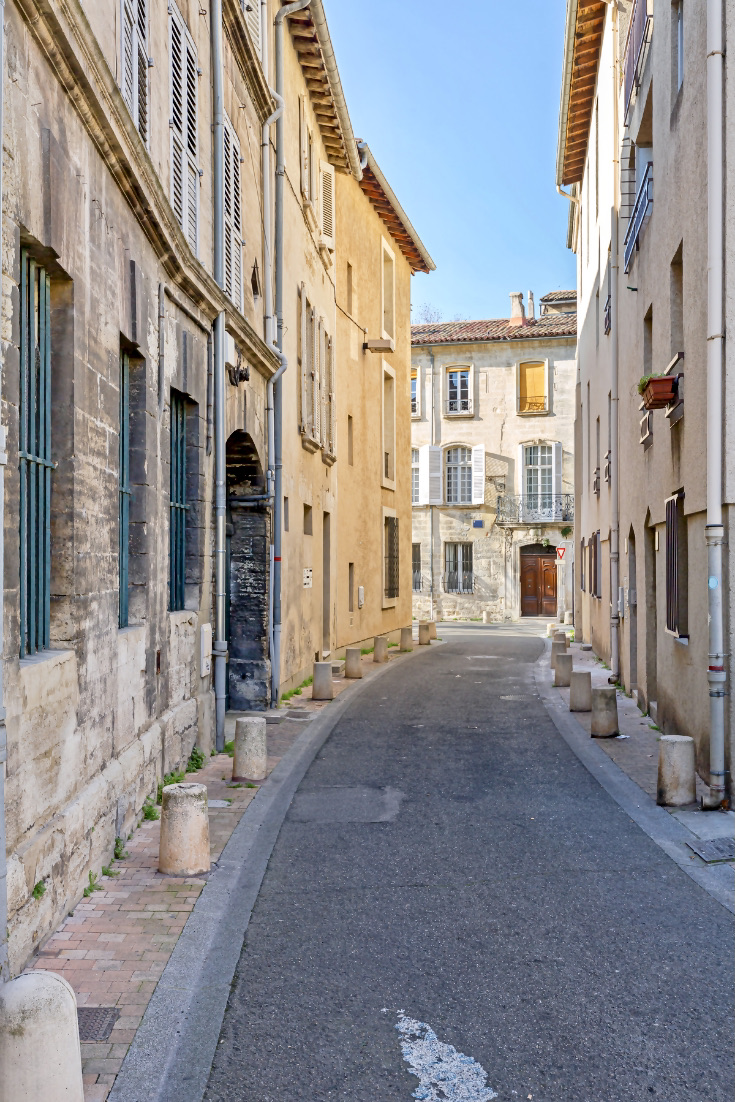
(428, 263)
(566, 86)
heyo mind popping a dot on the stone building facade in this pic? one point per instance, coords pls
(493, 463)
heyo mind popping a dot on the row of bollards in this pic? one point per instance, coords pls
(322, 685)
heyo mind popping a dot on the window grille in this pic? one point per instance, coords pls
(391, 557)
(459, 476)
(233, 216)
(414, 476)
(416, 567)
(124, 490)
(458, 391)
(184, 147)
(179, 507)
(35, 456)
(135, 62)
(676, 567)
(458, 576)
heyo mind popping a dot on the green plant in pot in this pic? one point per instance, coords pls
(657, 391)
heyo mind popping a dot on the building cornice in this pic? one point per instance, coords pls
(585, 24)
(233, 18)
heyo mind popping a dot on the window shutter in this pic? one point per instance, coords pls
(521, 471)
(331, 400)
(128, 54)
(556, 469)
(184, 170)
(436, 463)
(304, 358)
(135, 62)
(304, 148)
(326, 202)
(315, 389)
(141, 82)
(323, 388)
(233, 217)
(478, 475)
(252, 18)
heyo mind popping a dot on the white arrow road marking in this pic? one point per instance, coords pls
(444, 1074)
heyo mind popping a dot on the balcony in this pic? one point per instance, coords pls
(639, 217)
(459, 581)
(458, 407)
(639, 37)
(535, 509)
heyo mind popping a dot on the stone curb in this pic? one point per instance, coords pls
(171, 1056)
(662, 828)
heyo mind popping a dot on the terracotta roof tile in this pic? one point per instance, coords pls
(560, 296)
(472, 332)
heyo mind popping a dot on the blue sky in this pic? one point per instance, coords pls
(459, 104)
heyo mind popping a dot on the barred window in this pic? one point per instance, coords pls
(459, 476)
(458, 576)
(677, 567)
(177, 527)
(416, 567)
(391, 557)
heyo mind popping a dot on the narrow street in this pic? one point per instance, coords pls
(448, 859)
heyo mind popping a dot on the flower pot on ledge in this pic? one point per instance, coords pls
(660, 391)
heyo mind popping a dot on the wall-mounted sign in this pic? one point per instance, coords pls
(478, 523)
(307, 577)
(560, 552)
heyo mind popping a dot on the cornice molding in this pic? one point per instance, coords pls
(247, 60)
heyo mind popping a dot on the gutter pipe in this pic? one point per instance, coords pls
(431, 507)
(614, 382)
(4, 967)
(219, 647)
(714, 531)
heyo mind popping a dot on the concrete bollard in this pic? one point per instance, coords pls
(432, 629)
(564, 663)
(321, 686)
(380, 648)
(184, 846)
(580, 691)
(557, 648)
(251, 750)
(353, 662)
(569, 619)
(424, 635)
(40, 1057)
(561, 637)
(676, 771)
(406, 639)
(550, 629)
(486, 617)
(604, 719)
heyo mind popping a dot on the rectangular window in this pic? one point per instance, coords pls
(389, 294)
(595, 566)
(177, 527)
(677, 26)
(124, 491)
(532, 387)
(350, 431)
(414, 392)
(389, 426)
(351, 587)
(539, 476)
(35, 456)
(458, 576)
(676, 298)
(233, 217)
(414, 476)
(135, 62)
(285, 514)
(677, 567)
(459, 476)
(458, 390)
(582, 553)
(349, 288)
(184, 142)
(308, 522)
(391, 557)
(416, 567)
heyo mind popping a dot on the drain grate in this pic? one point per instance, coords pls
(96, 1022)
(718, 849)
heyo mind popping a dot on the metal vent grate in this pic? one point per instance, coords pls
(96, 1022)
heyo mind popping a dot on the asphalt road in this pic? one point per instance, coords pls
(489, 889)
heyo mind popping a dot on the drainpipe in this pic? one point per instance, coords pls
(219, 647)
(275, 448)
(614, 391)
(4, 971)
(431, 507)
(714, 532)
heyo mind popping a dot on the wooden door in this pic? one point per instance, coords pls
(538, 585)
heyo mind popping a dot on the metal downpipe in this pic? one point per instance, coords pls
(614, 384)
(4, 969)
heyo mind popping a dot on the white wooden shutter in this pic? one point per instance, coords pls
(233, 217)
(424, 489)
(128, 54)
(252, 18)
(326, 205)
(135, 62)
(304, 148)
(303, 308)
(184, 148)
(556, 467)
(315, 388)
(478, 475)
(331, 401)
(323, 384)
(430, 475)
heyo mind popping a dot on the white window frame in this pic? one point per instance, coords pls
(387, 251)
(415, 413)
(415, 475)
(130, 17)
(447, 369)
(190, 159)
(387, 483)
(535, 514)
(233, 217)
(460, 501)
(547, 376)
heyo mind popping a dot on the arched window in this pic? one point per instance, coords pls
(459, 476)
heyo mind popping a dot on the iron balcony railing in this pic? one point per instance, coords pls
(459, 581)
(532, 405)
(639, 36)
(416, 581)
(641, 210)
(535, 509)
(459, 405)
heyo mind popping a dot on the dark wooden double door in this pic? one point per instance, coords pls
(538, 585)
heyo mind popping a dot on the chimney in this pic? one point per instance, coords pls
(517, 311)
(531, 307)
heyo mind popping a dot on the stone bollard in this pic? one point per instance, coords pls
(424, 635)
(676, 770)
(550, 629)
(569, 619)
(561, 637)
(486, 617)
(406, 639)
(40, 1057)
(353, 662)
(564, 664)
(432, 629)
(251, 750)
(184, 846)
(380, 648)
(580, 691)
(604, 720)
(557, 648)
(321, 686)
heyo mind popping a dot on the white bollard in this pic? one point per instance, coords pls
(321, 684)
(569, 618)
(424, 635)
(550, 629)
(580, 691)
(604, 719)
(432, 629)
(40, 1057)
(184, 846)
(353, 662)
(557, 648)
(486, 617)
(406, 639)
(676, 771)
(561, 637)
(380, 648)
(563, 670)
(251, 750)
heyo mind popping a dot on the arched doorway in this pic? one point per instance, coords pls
(538, 580)
(248, 524)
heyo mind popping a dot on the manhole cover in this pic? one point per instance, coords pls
(96, 1022)
(717, 849)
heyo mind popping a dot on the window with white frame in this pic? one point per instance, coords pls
(459, 476)
(414, 476)
(414, 392)
(135, 62)
(233, 216)
(184, 147)
(532, 388)
(538, 475)
(458, 390)
(316, 360)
